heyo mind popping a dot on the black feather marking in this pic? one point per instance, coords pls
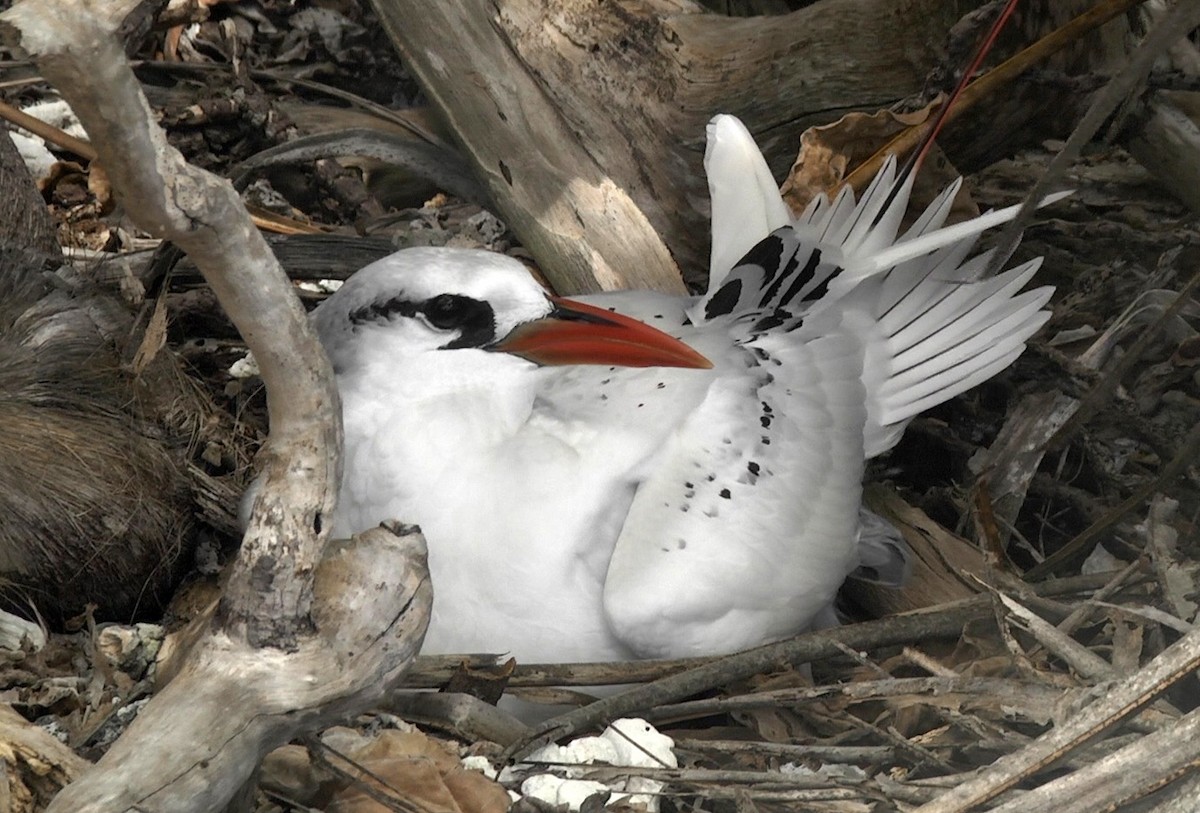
(767, 254)
(803, 278)
(772, 320)
(753, 468)
(823, 287)
(725, 494)
(724, 300)
(790, 266)
(383, 311)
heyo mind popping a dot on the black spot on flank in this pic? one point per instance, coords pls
(765, 420)
(605, 381)
(753, 468)
(661, 385)
(506, 172)
(658, 316)
(760, 354)
(603, 396)
(687, 495)
(766, 441)
(685, 508)
(612, 310)
(767, 408)
(725, 494)
(727, 441)
(640, 406)
(711, 477)
(724, 300)
(688, 485)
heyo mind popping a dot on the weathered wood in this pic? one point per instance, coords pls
(587, 124)
(586, 120)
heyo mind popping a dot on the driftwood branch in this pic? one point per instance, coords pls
(945, 621)
(301, 635)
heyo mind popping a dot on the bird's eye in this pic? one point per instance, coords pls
(447, 311)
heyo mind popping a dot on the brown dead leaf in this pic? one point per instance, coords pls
(420, 770)
(100, 187)
(829, 152)
(487, 684)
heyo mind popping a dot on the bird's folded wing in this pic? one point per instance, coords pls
(746, 523)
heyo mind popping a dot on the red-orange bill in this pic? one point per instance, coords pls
(575, 333)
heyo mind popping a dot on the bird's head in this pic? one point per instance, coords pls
(422, 300)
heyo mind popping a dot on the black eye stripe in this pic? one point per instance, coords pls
(449, 311)
(382, 311)
(473, 318)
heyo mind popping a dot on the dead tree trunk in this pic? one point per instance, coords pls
(586, 120)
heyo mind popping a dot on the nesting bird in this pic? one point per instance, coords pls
(594, 489)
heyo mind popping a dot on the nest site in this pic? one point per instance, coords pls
(879, 724)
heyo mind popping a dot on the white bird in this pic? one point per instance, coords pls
(577, 512)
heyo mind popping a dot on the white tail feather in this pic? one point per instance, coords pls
(746, 205)
(934, 328)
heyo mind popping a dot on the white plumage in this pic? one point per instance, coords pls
(580, 513)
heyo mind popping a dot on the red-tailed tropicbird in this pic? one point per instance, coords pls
(578, 508)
